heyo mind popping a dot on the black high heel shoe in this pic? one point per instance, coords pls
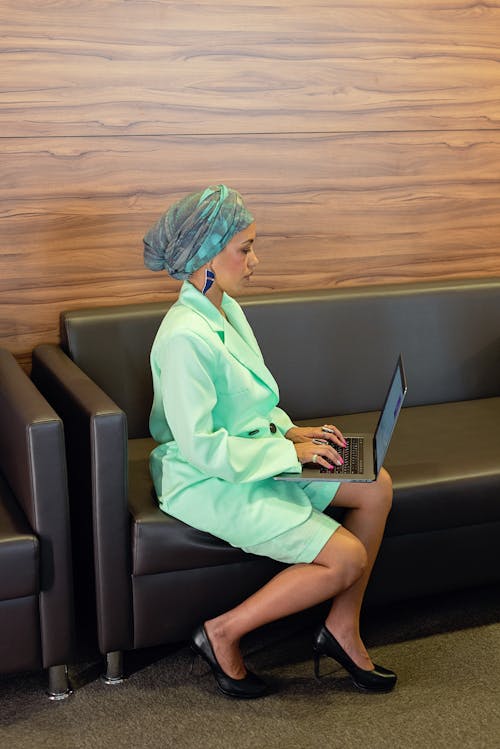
(378, 680)
(248, 688)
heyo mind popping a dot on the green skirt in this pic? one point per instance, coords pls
(304, 542)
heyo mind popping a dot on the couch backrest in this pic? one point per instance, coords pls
(332, 352)
(112, 345)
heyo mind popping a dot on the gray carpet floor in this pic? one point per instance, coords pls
(446, 651)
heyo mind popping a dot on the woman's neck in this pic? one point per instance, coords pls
(214, 294)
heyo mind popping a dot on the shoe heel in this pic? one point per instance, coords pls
(248, 687)
(196, 667)
(378, 679)
(316, 657)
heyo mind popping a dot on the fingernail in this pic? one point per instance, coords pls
(340, 462)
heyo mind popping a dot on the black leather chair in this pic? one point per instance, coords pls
(36, 591)
(142, 578)
(145, 578)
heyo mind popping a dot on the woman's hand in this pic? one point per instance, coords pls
(326, 432)
(314, 444)
(320, 452)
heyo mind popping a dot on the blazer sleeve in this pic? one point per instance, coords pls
(282, 420)
(188, 365)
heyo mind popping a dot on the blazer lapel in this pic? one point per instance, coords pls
(241, 343)
(236, 334)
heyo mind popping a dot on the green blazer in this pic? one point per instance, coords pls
(219, 428)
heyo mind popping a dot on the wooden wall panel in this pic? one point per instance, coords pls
(331, 210)
(364, 135)
(147, 67)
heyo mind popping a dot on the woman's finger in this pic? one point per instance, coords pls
(327, 456)
(334, 433)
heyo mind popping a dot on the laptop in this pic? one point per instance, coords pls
(365, 453)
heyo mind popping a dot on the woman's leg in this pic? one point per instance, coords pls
(369, 505)
(341, 570)
(336, 568)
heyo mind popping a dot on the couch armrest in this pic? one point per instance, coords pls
(96, 445)
(33, 462)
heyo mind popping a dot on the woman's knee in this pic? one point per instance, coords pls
(383, 491)
(356, 564)
(374, 497)
(345, 556)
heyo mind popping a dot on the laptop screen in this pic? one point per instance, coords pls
(389, 414)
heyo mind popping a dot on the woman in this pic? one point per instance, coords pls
(222, 438)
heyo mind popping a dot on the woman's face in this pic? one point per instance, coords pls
(234, 265)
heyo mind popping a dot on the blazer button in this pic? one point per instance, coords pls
(273, 428)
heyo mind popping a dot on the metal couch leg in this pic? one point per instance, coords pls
(114, 668)
(59, 686)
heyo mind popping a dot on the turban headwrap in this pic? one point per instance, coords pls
(195, 230)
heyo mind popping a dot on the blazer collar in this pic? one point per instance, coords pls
(235, 332)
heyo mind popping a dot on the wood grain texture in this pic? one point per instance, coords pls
(331, 211)
(144, 67)
(365, 137)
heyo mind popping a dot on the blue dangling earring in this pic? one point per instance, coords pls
(209, 279)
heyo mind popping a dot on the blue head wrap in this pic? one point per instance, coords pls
(195, 230)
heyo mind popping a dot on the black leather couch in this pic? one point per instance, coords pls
(332, 353)
(36, 593)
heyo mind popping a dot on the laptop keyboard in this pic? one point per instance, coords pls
(352, 456)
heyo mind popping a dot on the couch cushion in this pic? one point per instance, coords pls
(161, 543)
(444, 462)
(441, 480)
(18, 550)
